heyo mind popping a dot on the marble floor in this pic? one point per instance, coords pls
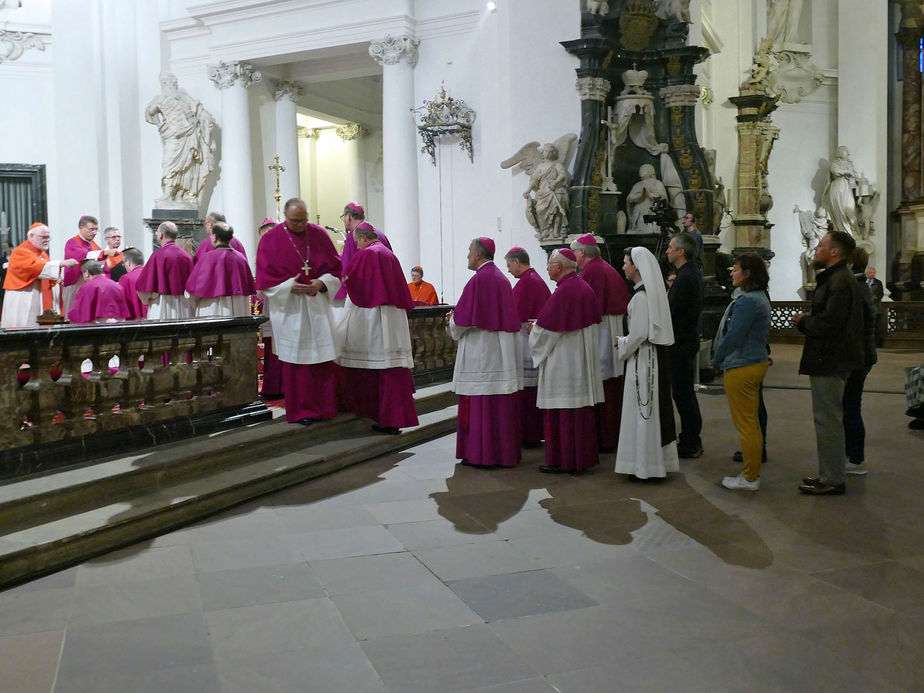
(410, 573)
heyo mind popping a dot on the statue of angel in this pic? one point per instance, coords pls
(673, 9)
(547, 196)
(814, 226)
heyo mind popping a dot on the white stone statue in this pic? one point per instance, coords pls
(185, 129)
(839, 196)
(813, 225)
(641, 197)
(783, 18)
(673, 9)
(547, 197)
(601, 7)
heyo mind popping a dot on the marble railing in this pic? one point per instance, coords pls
(434, 350)
(902, 322)
(63, 390)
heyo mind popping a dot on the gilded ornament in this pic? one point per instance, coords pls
(676, 115)
(638, 24)
(673, 65)
(678, 141)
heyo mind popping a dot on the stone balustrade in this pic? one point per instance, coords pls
(65, 398)
(434, 350)
(902, 322)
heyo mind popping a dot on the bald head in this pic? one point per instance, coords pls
(168, 230)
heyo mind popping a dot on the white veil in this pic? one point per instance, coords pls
(660, 328)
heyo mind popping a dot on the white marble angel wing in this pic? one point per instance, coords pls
(527, 156)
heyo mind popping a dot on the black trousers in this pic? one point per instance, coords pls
(854, 430)
(683, 365)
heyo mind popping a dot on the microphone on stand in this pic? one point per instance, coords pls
(337, 231)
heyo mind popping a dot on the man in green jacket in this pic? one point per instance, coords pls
(833, 348)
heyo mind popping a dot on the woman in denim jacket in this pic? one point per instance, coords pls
(741, 351)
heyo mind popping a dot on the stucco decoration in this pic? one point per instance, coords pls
(392, 49)
(185, 129)
(14, 43)
(547, 197)
(793, 76)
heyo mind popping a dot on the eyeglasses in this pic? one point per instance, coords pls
(303, 220)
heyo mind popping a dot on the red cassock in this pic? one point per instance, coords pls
(376, 380)
(530, 293)
(486, 374)
(570, 433)
(613, 299)
(129, 284)
(98, 299)
(308, 369)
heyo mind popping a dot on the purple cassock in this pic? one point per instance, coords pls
(570, 434)
(613, 298)
(310, 389)
(488, 429)
(374, 278)
(349, 250)
(129, 284)
(222, 273)
(530, 293)
(76, 248)
(205, 247)
(98, 299)
(166, 271)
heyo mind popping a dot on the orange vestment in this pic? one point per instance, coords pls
(26, 263)
(425, 293)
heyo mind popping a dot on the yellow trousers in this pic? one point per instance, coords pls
(742, 387)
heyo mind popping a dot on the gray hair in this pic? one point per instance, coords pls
(684, 241)
(520, 256)
(133, 255)
(565, 262)
(589, 250)
(485, 253)
(368, 233)
(92, 267)
(168, 228)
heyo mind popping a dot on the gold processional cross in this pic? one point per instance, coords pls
(277, 167)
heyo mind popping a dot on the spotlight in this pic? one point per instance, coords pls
(492, 6)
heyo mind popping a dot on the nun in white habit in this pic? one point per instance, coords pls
(647, 436)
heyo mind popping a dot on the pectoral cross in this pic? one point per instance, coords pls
(306, 268)
(277, 167)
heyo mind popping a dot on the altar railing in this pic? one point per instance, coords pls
(434, 350)
(79, 388)
(902, 322)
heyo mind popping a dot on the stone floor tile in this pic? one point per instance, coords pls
(419, 606)
(229, 554)
(266, 628)
(312, 518)
(475, 560)
(436, 533)
(649, 672)
(341, 543)
(60, 579)
(497, 597)
(136, 563)
(534, 685)
(30, 661)
(228, 589)
(368, 573)
(129, 601)
(151, 654)
(399, 512)
(35, 611)
(326, 669)
(458, 659)
(894, 585)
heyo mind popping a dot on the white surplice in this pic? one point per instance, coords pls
(609, 329)
(303, 325)
(374, 338)
(487, 361)
(219, 306)
(568, 374)
(21, 307)
(165, 306)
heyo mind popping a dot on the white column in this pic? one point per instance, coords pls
(398, 56)
(237, 186)
(352, 134)
(862, 102)
(286, 95)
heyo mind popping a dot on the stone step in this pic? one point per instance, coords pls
(177, 499)
(66, 492)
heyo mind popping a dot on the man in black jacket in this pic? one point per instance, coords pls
(686, 302)
(833, 349)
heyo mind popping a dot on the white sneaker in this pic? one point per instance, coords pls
(739, 483)
(858, 469)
